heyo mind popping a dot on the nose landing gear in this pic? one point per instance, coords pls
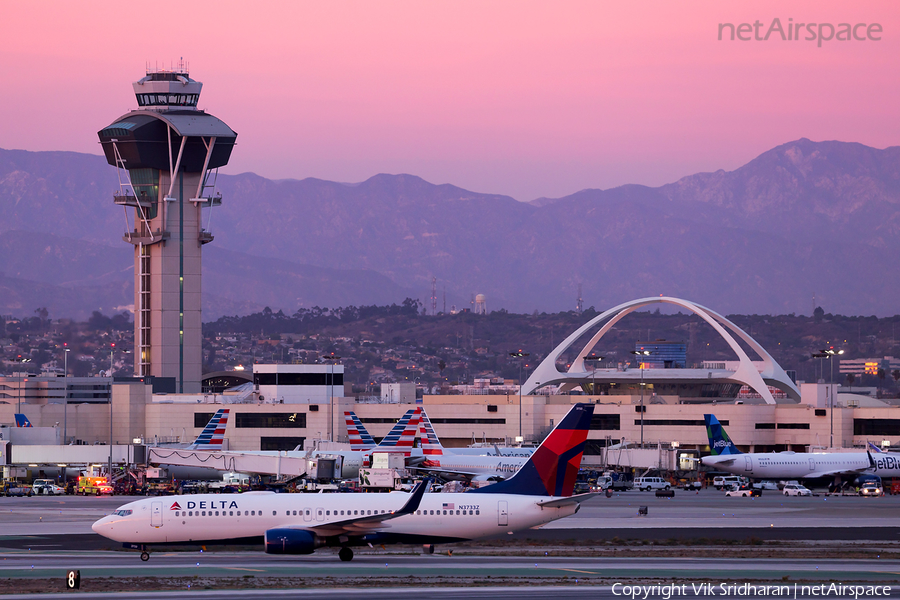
(345, 554)
(145, 556)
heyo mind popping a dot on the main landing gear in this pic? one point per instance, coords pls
(345, 554)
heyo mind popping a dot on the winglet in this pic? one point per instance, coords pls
(415, 498)
(871, 460)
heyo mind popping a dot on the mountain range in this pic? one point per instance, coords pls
(804, 224)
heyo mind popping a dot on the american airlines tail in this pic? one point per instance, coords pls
(719, 442)
(213, 434)
(22, 420)
(402, 435)
(360, 439)
(431, 445)
(552, 469)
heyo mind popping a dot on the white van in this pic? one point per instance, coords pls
(645, 484)
(726, 481)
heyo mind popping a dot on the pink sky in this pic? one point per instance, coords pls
(522, 98)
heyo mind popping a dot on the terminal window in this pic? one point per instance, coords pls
(270, 420)
(280, 443)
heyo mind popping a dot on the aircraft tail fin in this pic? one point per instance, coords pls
(213, 434)
(430, 442)
(403, 435)
(22, 421)
(875, 448)
(552, 469)
(719, 442)
(360, 439)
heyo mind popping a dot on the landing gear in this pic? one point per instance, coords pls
(345, 554)
(427, 548)
(145, 556)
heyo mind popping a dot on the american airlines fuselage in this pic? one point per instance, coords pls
(216, 518)
(790, 465)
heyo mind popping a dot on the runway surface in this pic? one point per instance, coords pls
(41, 538)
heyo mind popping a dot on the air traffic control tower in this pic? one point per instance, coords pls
(167, 154)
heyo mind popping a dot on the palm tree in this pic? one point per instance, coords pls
(850, 379)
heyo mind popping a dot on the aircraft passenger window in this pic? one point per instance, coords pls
(471, 512)
(295, 513)
(432, 512)
(355, 512)
(327, 512)
(274, 513)
(417, 512)
(477, 512)
(457, 512)
(307, 511)
(445, 512)
(217, 513)
(230, 513)
(370, 512)
(252, 513)
(190, 513)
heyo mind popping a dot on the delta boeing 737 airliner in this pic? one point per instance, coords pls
(540, 492)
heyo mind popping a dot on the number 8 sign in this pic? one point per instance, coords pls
(73, 580)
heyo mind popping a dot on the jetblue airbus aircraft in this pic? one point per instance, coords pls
(540, 492)
(780, 465)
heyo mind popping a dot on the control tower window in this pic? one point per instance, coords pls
(167, 99)
(146, 185)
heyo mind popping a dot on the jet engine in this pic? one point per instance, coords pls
(291, 541)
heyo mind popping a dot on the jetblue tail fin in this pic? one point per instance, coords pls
(213, 434)
(22, 420)
(552, 469)
(430, 442)
(719, 442)
(403, 435)
(360, 439)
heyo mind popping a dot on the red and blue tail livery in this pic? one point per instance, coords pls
(359, 436)
(22, 420)
(213, 434)
(553, 468)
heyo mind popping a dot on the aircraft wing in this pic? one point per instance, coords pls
(369, 523)
(577, 499)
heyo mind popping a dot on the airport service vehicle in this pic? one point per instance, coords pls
(795, 489)
(870, 488)
(645, 484)
(726, 481)
(765, 485)
(540, 492)
(47, 487)
(743, 491)
(92, 486)
(15, 488)
(780, 465)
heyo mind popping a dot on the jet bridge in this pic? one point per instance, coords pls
(275, 463)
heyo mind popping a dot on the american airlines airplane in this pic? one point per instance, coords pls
(780, 465)
(540, 492)
(444, 463)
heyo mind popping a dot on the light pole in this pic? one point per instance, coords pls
(330, 382)
(109, 467)
(594, 359)
(830, 352)
(520, 355)
(66, 400)
(639, 354)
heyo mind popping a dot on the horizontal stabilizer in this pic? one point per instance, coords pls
(566, 501)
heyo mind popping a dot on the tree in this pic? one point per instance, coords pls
(881, 375)
(850, 379)
(818, 313)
